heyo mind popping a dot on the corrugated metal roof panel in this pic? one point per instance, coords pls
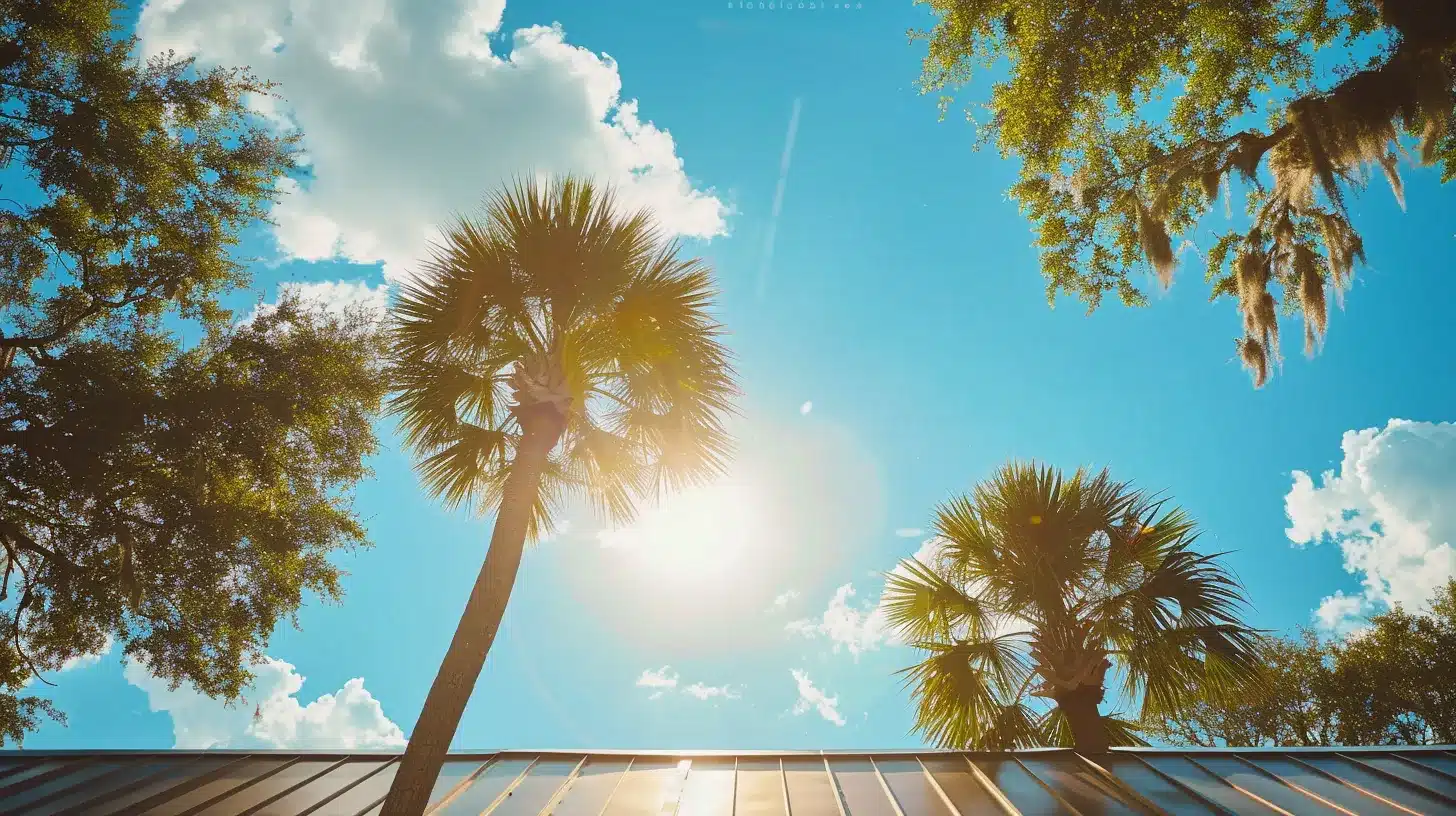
(619, 783)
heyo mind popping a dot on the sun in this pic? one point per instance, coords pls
(695, 538)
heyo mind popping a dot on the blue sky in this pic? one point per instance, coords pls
(895, 346)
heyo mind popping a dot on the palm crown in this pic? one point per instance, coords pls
(1040, 586)
(557, 299)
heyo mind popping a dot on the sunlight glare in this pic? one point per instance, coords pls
(697, 537)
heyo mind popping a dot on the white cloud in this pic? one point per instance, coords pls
(91, 659)
(408, 116)
(784, 599)
(806, 408)
(664, 677)
(80, 661)
(909, 532)
(863, 628)
(269, 714)
(815, 698)
(335, 297)
(560, 530)
(703, 692)
(659, 680)
(857, 629)
(1340, 612)
(663, 680)
(1390, 509)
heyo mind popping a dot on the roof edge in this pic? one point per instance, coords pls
(690, 753)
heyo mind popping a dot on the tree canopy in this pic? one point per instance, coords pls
(176, 499)
(1387, 683)
(1051, 586)
(1129, 116)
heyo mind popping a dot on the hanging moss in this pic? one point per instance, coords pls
(1311, 296)
(1157, 245)
(1256, 360)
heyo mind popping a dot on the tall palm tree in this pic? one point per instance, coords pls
(556, 346)
(1043, 585)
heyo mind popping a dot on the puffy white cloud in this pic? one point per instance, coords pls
(336, 297)
(703, 692)
(409, 115)
(862, 628)
(806, 408)
(813, 697)
(856, 629)
(1391, 508)
(1340, 612)
(269, 715)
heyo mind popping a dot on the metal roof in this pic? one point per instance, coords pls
(889, 783)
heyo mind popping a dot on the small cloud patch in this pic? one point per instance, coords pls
(660, 681)
(703, 692)
(664, 680)
(810, 696)
(785, 599)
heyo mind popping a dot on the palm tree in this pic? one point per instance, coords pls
(557, 346)
(1040, 586)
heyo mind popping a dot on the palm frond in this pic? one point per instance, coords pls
(921, 606)
(462, 468)
(434, 396)
(611, 468)
(962, 692)
(1180, 665)
(1056, 732)
(970, 546)
(557, 276)
(1013, 726)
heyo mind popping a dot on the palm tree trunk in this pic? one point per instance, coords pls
(1080, 707)
(435, 729)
